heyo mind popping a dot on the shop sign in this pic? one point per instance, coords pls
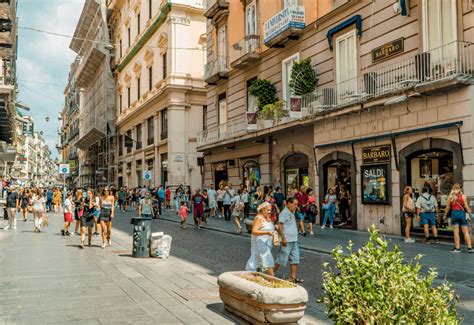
(289, 17)
(375, 187)
(387, 50)
(375, 155)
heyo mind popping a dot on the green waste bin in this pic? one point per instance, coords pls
(141, 236)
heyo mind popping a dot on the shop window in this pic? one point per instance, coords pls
(433, 169)
(251, 173)
(296, 173)
(346, 63)
(337, 175)
(287, 66)
(375, 185)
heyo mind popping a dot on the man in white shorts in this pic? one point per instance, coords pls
(212, 195)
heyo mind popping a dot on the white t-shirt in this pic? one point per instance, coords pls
(68, 205)
(38, 202)
(426, 203)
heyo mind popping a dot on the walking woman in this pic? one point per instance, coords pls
(24, 198)
(237, 208)
(106, 214)
(261, 258)
(408, 212)
(145, 207)
(458, 206)
(39, 208)
(78, 210)
(330, 208)
(87, 218)
(220, 200)
(56, 200)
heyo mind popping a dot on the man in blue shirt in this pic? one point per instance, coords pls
(288, 230)
(161, 198)
(49, 200)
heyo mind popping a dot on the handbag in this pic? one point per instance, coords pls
(80, 213)
(276, 239)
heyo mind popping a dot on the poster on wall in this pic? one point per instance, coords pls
(426, 167)
(375, 184)
(251, 120)
(295, 106)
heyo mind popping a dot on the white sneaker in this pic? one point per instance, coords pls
(323, 226)
(331, 226)
(7, 227)
(409, 240)
(72, 233)
(311, 233)
(14, 227)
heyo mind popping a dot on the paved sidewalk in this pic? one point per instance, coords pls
(454, 267)
(47, 279)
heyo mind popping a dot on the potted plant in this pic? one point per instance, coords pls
(264, 91)
(266, 115)
(279, 111)
(375, 285)
(303, 81)
(260, 298)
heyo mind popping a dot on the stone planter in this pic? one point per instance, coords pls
(259, 304)
(267, 124)
(248, 224)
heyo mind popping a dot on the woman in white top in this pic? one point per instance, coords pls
(237, 208)
(408, 212)
(220, 200)
(39, 208)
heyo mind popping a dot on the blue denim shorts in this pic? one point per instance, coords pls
(428, 218)
(300, 216)
(289, 253)
(458, 217)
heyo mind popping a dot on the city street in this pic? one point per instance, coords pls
(47, 279)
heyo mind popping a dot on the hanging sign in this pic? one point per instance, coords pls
(147, 175)
(63, 168)
(375, 155)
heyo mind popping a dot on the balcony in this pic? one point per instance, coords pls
(286, 25)
(214, 6)
(216, 70)
(234, 127)
(440, 69)
(246, 52)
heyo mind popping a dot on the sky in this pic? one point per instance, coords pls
(43, 60)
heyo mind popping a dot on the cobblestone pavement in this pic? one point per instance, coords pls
(457, 268)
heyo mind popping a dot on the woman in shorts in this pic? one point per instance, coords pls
(87, 218)
(458, 207)
(106, 215)
(408, 212)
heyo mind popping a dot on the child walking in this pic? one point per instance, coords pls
(183, 213)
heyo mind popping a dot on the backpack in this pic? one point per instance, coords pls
(429, 204)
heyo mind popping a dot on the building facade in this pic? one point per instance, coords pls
(69, 129)
(160, 94)
(392, 106)
(8, 85)
(94, 81)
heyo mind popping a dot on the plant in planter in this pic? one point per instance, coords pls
(260, 298)
(303, 78)
(374, 285)
(273, 112)
(264, 91)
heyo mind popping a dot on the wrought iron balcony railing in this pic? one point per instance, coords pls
(216, 70)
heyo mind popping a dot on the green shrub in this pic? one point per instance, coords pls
(303, 78)
(373, 285)
(275, 111)
(264, 91)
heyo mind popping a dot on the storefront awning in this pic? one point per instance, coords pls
(89, 139)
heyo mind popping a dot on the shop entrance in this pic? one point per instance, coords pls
(296, 172)
(435, 164)
(338, 177)
(251, 173)
(432, 169)
(220, 175)
(337, 171)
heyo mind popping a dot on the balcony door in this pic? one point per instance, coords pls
(251, 27)
(439, 31)
(222, 48)
(346, 65)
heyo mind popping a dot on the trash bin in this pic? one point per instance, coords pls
(141, 236)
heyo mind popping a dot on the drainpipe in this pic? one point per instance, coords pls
(270, 160)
